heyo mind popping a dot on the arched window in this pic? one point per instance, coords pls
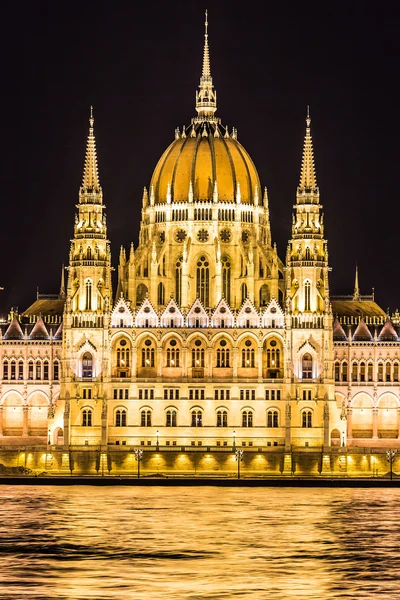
(87, 365)
(380, 372)
(173, 354)
(14, 370)
(45, 370)
(396, 371)
(388, 371)
(223, 355)
(344, 371)
(362, 371)
(170, 418)
(264, 295)
(203, 281)
(21, 370)
(89, 253)
(123, 358)
(273, 359)
(141, 293)
(354, 371)
(337, 371)
(370, 372)
(243, 292)
(307, 295)
(308, 254)
(222, 418)
(306, 418)
(148, 354)
(87, 417)
(145, 418)
(272, 418)
(247, 418)
(88, 295)
(161, 294)
(248, 355)
(5, 369)
(226, 278)
(197, 354)
(307, 366)
(178, 280)
(197, 418)
(120, 417)
(38, 370)
(30, 370)
(56, 370)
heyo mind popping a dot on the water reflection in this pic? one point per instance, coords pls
(202, 543)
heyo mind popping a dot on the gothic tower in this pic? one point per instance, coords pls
(309, 315)
(87, 308)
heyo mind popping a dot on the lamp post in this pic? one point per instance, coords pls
(239, 458)
(390, 455)
(157, 442)
(234, 441)
(138, 456)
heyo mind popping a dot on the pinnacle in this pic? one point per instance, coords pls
(308, 180)
(90, 174)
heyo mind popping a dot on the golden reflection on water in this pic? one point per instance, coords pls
(198, 543)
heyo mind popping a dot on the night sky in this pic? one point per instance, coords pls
(140, 68)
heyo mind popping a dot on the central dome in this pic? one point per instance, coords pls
(205, 153)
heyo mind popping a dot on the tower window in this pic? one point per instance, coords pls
(307, 295)
(203, 281)
(87, 365)
(307, 418)
(307, 366)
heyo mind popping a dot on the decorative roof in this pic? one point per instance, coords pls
(39, 331)
(308, 180)
(14, 331)
(338, 331)
(362, 333)
(47, 307)
(58, 333)
(388, 333)
(352, 308)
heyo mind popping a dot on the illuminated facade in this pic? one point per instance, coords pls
(211, 340)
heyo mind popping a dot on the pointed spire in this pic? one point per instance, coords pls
(62, 285)
(91, 183)
(206, 97)
(308, 180)
(356, 295)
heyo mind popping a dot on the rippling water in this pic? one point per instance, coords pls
(198, 543)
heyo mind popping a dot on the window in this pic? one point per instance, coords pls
(307, 418)
(145, 418)
(46, 371)
(222, 394)
(344, 371)
(307, 394)
(87, 417)
(141, 293)
(56, 371)
(88, 295)
(120, 417)
(222, 418)
(148, 354)
(380, 372)
(123, 358)
(337, 371)
(14, 370)
(146, 394)
(87, 365)
(173, 354)
(38, 370)
(272, 418)
(196, 394)
(243, 292)
(247, 394)
(370, 372)
(197, 354)
(170, 418)
(362, 371)
(30, 370)
(272, 394)
(248, 355)
(197, 418)
(5, 370)
(307, 295)
(354, 372)
(307, 366)
(273, 359)
(171, 393)
(223, 355)
(395, 372)
(161, 294)
(226, 278)
(178, 280)
(87, 393)
(388, 371)
(20, 370)
(247, 418)
(264, 294)
(203, 281)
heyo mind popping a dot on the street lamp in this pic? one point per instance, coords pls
(390, 454)
(234, 440)
(138, 456)
(157, 442)
(239, 458)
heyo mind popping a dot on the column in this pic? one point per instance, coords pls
(288, 418)
(25, 421)
(349, 423)
(66, 423)
(326, 426)
(375, 423)
(259, 363)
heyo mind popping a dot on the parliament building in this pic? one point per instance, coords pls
(211, 342)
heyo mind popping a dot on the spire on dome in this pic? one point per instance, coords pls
(90, 182)
(62, 285)
(206, 97)
(356, 295)
(308, 180)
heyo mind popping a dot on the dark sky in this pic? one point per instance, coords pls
(140, 68)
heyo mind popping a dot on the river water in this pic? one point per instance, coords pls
(198, 543)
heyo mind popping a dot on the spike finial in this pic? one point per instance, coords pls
(308, 180)
(62, 285)
(206, 97)
(356, 295)
(91, 183)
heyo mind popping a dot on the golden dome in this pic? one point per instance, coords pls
(201, 155)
